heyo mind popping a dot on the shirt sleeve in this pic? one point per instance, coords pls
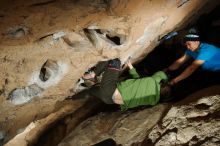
(191, 54)
(188, 53)
(134, 73)
(205, 56)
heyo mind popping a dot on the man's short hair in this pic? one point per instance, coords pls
(192, 35)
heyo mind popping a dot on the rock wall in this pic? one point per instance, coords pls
(46, 45)
(193, 124)
(193, 121)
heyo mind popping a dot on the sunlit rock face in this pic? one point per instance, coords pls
(46, 45)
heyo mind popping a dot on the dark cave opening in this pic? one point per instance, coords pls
(208, 27)
(59, 129)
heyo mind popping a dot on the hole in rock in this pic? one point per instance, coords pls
(107, 142)
(17, 31)
(50, 68)
(98, 31)
(50, 73)
(114, 39)
(202, 106)
(108, 36)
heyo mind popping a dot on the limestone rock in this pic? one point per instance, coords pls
(17, 31)
(193, 124)
(124, 128)
(24, 95)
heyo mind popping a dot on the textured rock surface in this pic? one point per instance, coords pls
(64, 118)
(192, 121)
(193, 124)
(24, 95)
(124, 128)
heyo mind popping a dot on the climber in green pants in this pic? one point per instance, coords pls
(129, 93)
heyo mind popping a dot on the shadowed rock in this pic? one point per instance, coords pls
(24, 95)
(17, 31)
(125, 128)
(2, 137)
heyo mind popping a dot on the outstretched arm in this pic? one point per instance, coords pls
(130, 66)
(178, 63)
(132, 70)
(188, 71)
